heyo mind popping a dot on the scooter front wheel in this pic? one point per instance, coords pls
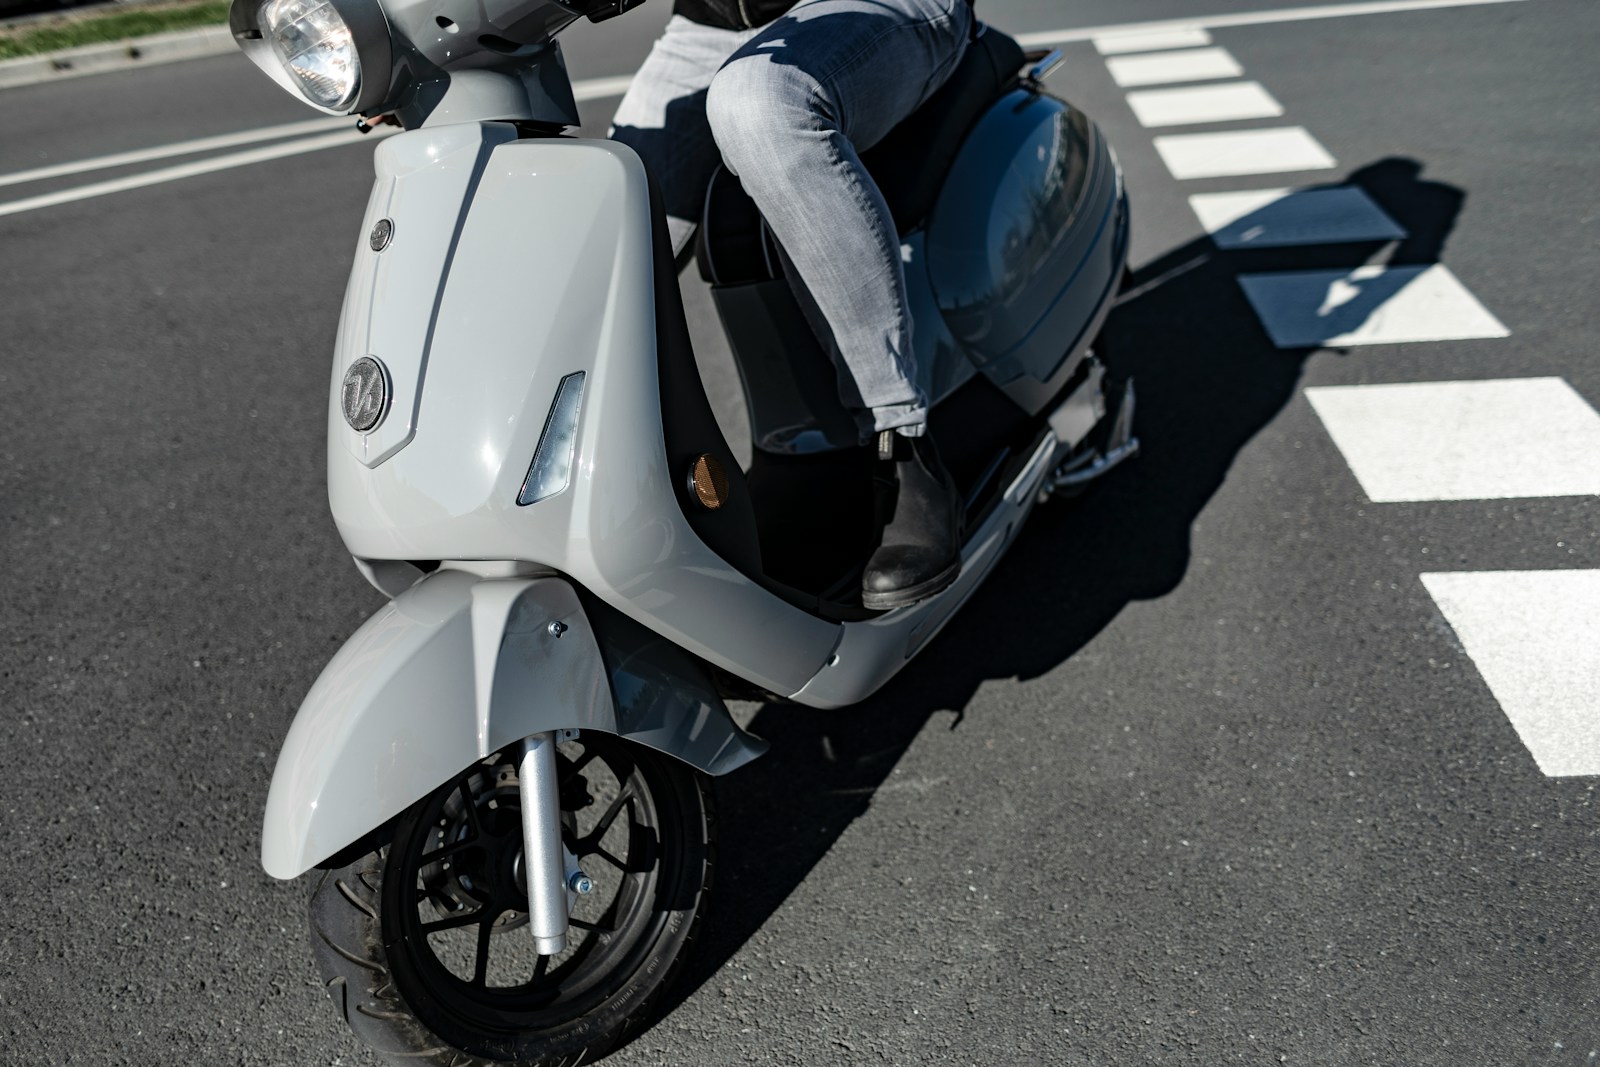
(423, 943)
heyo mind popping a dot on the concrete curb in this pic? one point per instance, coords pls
(149, 51)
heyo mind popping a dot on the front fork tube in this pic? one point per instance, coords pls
(544, 861)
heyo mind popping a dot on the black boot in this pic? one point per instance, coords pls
(920, 554)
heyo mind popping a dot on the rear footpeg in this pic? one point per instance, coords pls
(1087, 466)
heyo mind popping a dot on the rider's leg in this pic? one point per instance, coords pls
(663, 117)
(789, 112)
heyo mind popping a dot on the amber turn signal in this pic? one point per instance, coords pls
(708, 481)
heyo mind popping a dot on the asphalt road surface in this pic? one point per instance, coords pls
(1278, 748)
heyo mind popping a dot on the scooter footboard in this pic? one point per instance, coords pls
(456, 668)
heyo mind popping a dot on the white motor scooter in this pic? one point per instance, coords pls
(503, 776)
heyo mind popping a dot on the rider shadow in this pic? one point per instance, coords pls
(1394, 227)
(1209, 379)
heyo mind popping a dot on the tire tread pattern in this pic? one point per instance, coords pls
(347, 943)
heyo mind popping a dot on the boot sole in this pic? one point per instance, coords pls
(899, 598)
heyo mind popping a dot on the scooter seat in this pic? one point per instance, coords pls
(910, 165)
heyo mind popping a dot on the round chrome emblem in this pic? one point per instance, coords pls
(382, 234)
(365, 394)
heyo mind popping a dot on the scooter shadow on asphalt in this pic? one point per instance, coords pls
(1209, 379)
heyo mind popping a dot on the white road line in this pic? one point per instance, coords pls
(1371, 305)
(1203, 103)
(1490, 440)
(1216, 155)
(1189, 65)
(182, 148)
(1249, 18)
(1118, 43)
(591, 89)
(1278, 218)
(1535, 638)
(189, 170)
(337, 132)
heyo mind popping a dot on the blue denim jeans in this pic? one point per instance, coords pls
(787, 107)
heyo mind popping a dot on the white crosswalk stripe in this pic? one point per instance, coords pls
(1203, 103)
(1160, 40)
(1484, 440)
(1535, 638)
(1220, 155)
(1190, 65)
(1371, 305)
(1277, 218)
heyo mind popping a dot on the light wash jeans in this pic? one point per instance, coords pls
(786, 107)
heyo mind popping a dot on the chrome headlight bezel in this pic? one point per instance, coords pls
(369, 33)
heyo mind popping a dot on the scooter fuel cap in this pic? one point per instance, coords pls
(365, 394)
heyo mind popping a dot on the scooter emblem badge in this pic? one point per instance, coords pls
(365, 394)
(382, 234)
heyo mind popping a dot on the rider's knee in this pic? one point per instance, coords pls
(758, 110)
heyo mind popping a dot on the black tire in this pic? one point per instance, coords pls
(391, 958)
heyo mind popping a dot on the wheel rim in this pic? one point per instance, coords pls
(456, 906)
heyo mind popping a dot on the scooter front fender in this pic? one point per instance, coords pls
(456, 668)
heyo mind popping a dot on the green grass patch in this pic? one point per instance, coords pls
(32, 39)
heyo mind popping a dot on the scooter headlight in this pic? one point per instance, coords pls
(336, 55)
(316, 46)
